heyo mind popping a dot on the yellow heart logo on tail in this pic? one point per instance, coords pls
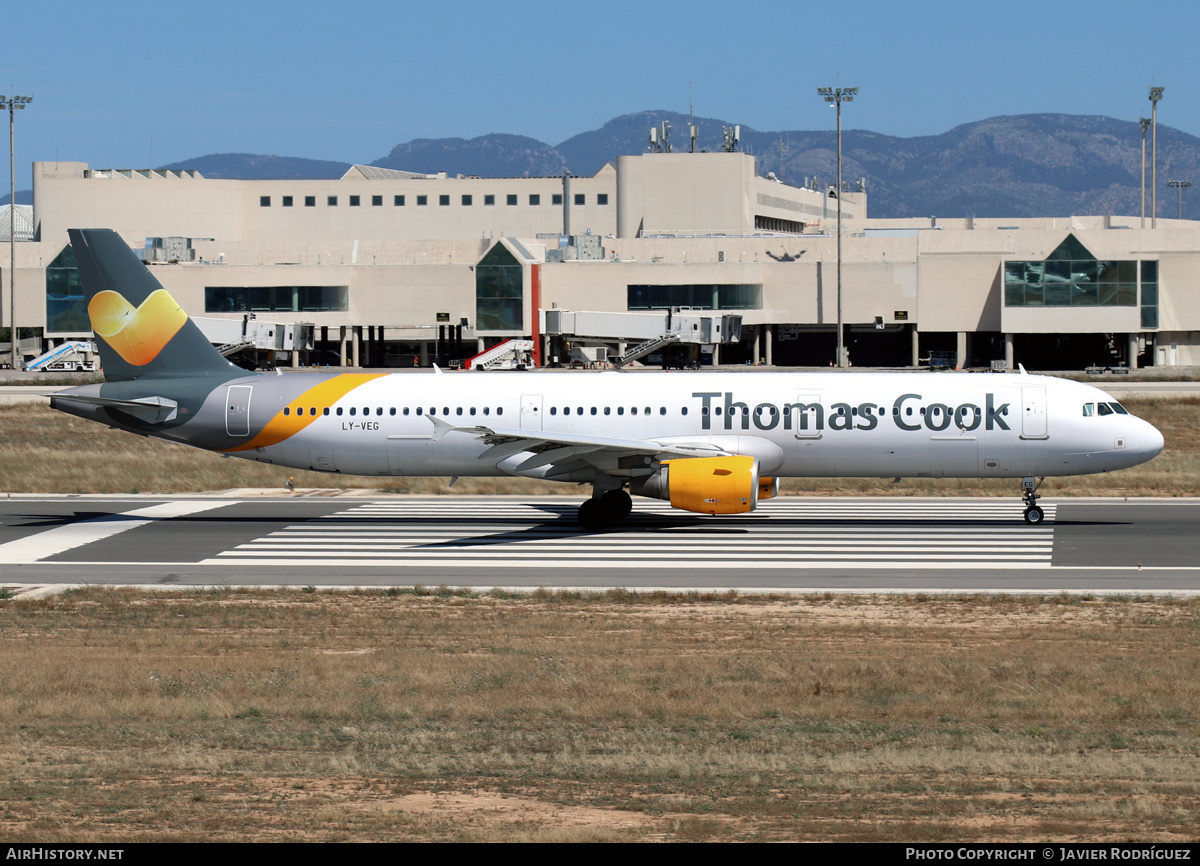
(137, 335)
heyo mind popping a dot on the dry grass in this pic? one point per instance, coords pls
(43, 451)
(397, 715)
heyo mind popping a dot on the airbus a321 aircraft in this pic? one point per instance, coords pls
(712, 443)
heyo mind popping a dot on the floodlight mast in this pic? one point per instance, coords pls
(12, 103)
(1145, 122)
(836, 96)
(1180, 185)
(1156, 94)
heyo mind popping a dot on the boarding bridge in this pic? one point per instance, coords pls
(651, 330)
(250, 333)
(507, 355)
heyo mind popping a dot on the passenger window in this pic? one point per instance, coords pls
(312, 411)
(620, 410)
(486, 410)
(339, 410)
(683, 411)
(458, 411)
(607, 410)
(662, 410)
(325, 411)
(405, 411)
(379, 411)
(554, 411)
(353, 410)
(287, 410)
(594, 411)
(499, 410)
(472, 410)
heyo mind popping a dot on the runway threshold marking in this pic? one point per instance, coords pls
(51, 542)
(939, 535)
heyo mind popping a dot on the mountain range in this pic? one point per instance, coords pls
(1031, 165)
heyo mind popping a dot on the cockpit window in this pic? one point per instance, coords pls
(1104, 409)
(1089, 409)
(1119, 409)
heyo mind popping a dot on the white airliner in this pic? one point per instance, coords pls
(712, 443)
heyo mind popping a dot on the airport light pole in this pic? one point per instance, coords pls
(836, 96)
(1180, 185)
(1145, 121)
(1156, 94)
(12, 103)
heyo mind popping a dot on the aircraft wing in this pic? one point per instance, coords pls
(567, 451)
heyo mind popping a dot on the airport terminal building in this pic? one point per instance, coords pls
(394, 268)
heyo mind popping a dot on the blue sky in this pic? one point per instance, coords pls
(133, 84)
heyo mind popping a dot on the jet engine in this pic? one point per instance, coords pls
(708, 485)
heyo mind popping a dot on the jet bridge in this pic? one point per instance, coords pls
(648, 331)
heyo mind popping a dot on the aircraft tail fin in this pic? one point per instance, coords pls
(140, 329)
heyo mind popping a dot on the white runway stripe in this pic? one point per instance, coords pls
(803, 533)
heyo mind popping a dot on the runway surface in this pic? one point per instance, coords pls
(809, 544)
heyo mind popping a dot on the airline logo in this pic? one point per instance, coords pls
(137, 335)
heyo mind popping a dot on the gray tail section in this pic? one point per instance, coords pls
(141, 332)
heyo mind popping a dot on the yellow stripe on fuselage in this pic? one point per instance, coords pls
(283, 427)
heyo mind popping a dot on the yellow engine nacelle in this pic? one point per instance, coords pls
(706, 485)
(768, 488)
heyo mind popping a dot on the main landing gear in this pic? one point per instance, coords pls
(1033, 514)
(612, 506)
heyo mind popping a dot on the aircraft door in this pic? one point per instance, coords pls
(805, 421)
(237, 418)
(1033, 413)
(531, 411)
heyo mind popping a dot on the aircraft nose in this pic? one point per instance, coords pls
(1145, 440)
(1151, 440)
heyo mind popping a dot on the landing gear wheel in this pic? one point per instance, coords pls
(1033, 513)
(592, 515)
(616, 504)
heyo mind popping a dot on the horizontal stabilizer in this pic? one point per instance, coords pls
(152, 410)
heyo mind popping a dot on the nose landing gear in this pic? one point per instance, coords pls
(1033, 513)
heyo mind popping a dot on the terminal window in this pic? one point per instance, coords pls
(443, 200)
(398, 201)
(580, 198)
(601, 198)
(354, 201)
(700, 296)
(556, 198)
(489, 199)
(1071, 277)
(512, 199)
(422, 200)
(287, 201)
(466, 201)
(310, 201)
(66, 309)
(499, 291)
(331, 201)
(264, 201)
(376, 201)
(535, 199)
(292, 299)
